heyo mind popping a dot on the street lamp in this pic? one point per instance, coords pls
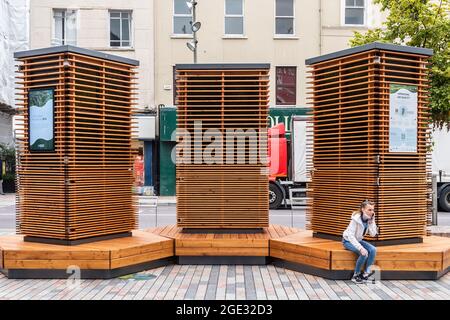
(192, 45)
(195, 26)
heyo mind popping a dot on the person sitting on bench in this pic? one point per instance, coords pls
(362, 222)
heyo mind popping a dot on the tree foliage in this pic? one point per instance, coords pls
(420, 23)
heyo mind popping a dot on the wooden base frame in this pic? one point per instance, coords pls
(76, 242)
(94, 260)
(282, 246)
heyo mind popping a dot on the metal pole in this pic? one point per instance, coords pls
(434, 211)
(292, 216)
(194, 32)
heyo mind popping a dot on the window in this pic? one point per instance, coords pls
(284, 17)
(120, 29)
(64, 27)
(182, 17)
(234, 17)
(286, 86)
(354, 12)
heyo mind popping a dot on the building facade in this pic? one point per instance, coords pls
(120, 27)
(281, 32)
(13, 37)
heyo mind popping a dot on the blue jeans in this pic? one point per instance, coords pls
(368, 260)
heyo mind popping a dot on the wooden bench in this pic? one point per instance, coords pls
(101, 259)
(328, 258)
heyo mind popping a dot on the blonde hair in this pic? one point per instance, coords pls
(363, 204)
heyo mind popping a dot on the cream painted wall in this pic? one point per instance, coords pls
(93, 33)
(316, 32)
(259, 44)
(335, 34)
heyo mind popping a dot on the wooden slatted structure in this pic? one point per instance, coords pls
(352, 159)
(83, 188)
(230, 189)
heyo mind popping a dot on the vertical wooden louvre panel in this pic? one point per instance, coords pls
(82, 189)
(230, 190)
(351, 158)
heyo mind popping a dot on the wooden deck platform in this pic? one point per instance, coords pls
(329, 259)
(101, 259)
(222, 248)
(283, 246)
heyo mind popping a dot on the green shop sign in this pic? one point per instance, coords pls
(168, 120)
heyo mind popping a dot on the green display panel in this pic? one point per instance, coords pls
(41, 119)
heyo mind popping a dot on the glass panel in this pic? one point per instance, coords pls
(71, 27)
(359, 3)
(286, 85)
(234, 25)
(125, 15)
(284, 26)
(181, 7)
(125, 29)
(125, 43)
(115, 29)
(354, 16)
(115, 44)
(114, 14)
(350, 3)
(285, 8)
(58, 31)
(57, 13)
(233, 7)
(181, 25)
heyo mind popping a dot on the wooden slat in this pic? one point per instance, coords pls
(301, 259)
(141, 258)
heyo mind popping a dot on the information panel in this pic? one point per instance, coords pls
(403, 118)
(41, 131)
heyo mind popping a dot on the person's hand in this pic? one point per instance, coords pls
(364, 252)
(371, 220)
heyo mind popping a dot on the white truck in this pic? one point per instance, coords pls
(441, 166)
(290, 188)
(288, 181)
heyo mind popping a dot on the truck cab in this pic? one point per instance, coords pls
(287, 164)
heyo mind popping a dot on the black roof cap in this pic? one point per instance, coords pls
(209, 66)
(367, 47)
(74, 49)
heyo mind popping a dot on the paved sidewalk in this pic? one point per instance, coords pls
(7, 199)
(222, 282)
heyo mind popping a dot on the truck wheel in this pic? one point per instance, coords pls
(275, 196)
(444, 199)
